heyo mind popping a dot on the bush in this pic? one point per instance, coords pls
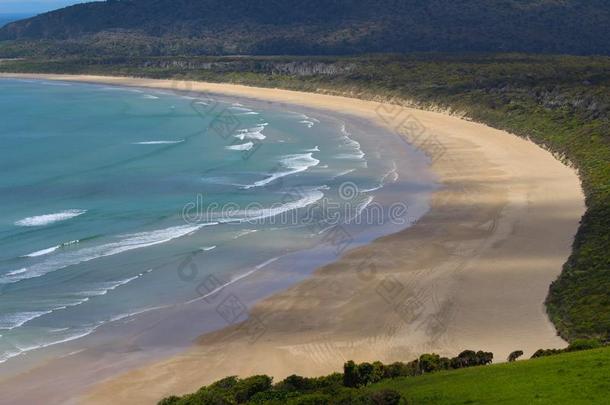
(575, 346)
(545, 352)
(248, 387)
(335, 389)
(429, 363)
(583, 344)
(312, 399)
(386, 397)
(515, 355)
(294, 383)
(171, 400)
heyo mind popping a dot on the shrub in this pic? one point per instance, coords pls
(484, 358)
(248, 387)
(545, 352)
(171, 400)
(515, 355)
(583, 344)
(429, 363)
(294, 383)
(312, 399)
(386, 397)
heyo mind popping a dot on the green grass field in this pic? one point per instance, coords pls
(569, 378)
(578, 377)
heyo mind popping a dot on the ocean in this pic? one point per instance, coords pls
(120, 202)
(8, 18)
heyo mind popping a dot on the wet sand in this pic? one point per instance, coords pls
(472, 273)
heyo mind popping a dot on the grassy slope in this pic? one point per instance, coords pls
(570, 378)
(560, 102)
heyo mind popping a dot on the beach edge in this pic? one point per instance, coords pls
(502, 225)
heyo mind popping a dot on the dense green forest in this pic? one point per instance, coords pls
(577, 375)
(313, 27)
(560, 102)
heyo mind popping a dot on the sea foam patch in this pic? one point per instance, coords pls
(293, 164)
(48, 219)
(124, 244)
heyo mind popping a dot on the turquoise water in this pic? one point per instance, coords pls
(109, 197)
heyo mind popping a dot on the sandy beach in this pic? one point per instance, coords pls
(473, 273)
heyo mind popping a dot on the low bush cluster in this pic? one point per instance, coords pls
(333, 389)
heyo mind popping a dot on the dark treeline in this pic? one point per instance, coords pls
(314, 27)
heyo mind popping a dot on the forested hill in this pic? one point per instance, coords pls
(322, 26)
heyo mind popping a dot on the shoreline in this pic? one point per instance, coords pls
(472, 273)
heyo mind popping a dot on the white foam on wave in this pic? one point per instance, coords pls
(251, 133)
(353, 148)
(307, 197)
(244, 233)
(15, 320)
(362, 206)
(150, 97)
(307, 120)
(50, 250)
(391, 174)
(240, 110)
(43, 251)
(67, 335)
(243, 146)
(208, 248)
(15, 272)
(53, 83)
(235, 279)
(343, 173)
(157, 142)
(308, 123)
(119, 88)
(126, 243)
(316, 149)
(47, 219)
(63, 335)
(293, 164)
(370, 190)
(106, 287)
(77, 334)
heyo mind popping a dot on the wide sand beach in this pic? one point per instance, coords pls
(472, 273)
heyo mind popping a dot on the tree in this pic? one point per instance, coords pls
(484, 358)
(515, 355)
(429, 363)
(350, 375)
(248, 387)
(378, 372)
(365, 373)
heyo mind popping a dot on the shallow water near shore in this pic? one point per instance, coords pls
(158, 216)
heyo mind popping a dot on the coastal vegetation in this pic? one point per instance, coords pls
(562, 103)
(314, 27)
(575, 376)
